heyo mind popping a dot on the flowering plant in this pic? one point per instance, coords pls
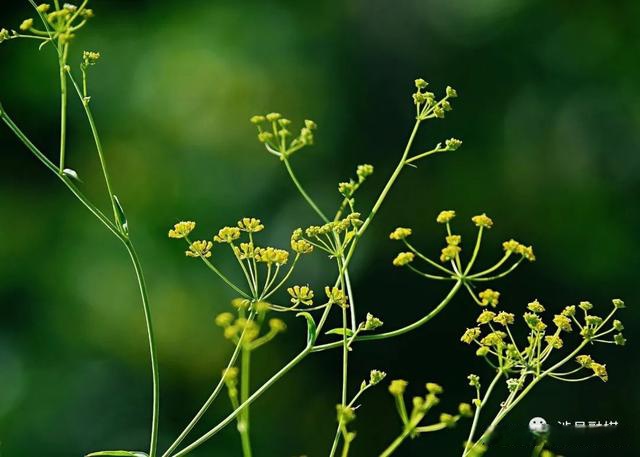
(263, 287)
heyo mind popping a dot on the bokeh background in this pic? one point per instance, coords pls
(549, 112)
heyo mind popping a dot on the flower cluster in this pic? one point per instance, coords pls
(239, 328)
(426, 105)
(333, 237)
(60, 23)
(274, 132)
(529, 360)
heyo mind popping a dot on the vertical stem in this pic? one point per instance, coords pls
(243, 425)
(62, 62)
(103, 163)
(476, 416)
(152, 347)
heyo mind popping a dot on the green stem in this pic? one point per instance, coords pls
(98, 143)
(304, 194)
(402, 330)
(152, 347)
(396, 443)
(62, 63)
(292, 363)
(243, 423)
(209, 401)
(476, 416)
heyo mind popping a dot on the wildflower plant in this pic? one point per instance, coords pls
(267, 298)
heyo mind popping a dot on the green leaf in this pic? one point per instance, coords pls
(121, 216)
(118, 454)
(340, 331)
(311, 327)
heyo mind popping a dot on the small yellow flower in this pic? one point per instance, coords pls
(224, 319)
(271, 255)
(200, 248)
(277, 325)
(250, 224)
(584, 360)
(465, 410)
(504, 318)
(536, 307)
(372, 322)
(336, 295)
(434, 388)
(272, 117)
(449, 253)
(485, 317)
(364, 171)
(230, 374)
(454, 240)
(182, 229)
(227, 235)
(526, 252)
(403, 258)
(301, 294)
(400, 233)
(489, 297)
(554, 341)
(43, 8)
(445, 216)
(298, 244)
(600, 371)
(470, 335)
(494, 339)
(397, 386)
(244, 251)
(482, 220)
(511, 246)
(26, 24)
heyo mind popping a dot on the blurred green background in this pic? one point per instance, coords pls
(549, 112)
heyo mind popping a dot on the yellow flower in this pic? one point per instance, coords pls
(403, 258)
(227, 235)
(554, 341)
(562, 322)
(400, 233)
(182, 229)
(489, 297)
(482, 220)
(485, 317)
(445, 216)
(277, 325)
(224, 319)
(504, 318)
(272, 255)
(397, 386)
(250, 224)
(600, 371)
(454, 240)
(336, 295)
(536, 307)
(200, 248)
(301, 294)
(449, 253)
(26, 24)
(470, 335)
(526, 252)
(511, 246)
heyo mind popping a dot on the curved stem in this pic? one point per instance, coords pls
(243, 423)
(402, 330)
(427, 259)
(475, 251)
(152, 348)
(304, 194)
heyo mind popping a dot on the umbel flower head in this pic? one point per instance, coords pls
(200, 248)
(400, 233)
(403, 258)
(445, 216)
(227, 235)
(182, 229)
(301, 294)
(250, 225)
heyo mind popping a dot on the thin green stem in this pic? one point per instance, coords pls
(62, 63)
(402, 330)
(210, 400)
(304, 194)
(152, 347)
(292, 363)
(476, 415)
(396, 443)
(243, 422)
(476, 249)
(98, 143)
